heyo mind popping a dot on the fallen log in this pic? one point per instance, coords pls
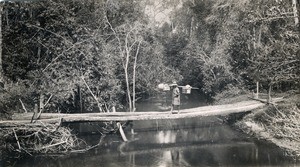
(268, 102)
(20, 123)
(56, 118)
(128, 116)
(27, 116)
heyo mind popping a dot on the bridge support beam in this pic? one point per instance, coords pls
(122, 132)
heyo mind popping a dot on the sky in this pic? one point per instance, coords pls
(160, 11)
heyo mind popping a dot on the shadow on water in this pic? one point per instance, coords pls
(199, 142)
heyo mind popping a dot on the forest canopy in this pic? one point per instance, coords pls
(91, 55)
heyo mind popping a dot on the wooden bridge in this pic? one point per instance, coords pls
(21, 119)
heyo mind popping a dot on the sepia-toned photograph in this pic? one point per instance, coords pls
(149, 83)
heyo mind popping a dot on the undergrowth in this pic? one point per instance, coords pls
(279, 123)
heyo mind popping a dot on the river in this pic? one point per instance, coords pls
(206, 141)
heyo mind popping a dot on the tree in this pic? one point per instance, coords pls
(52, 47)
(1, 68)
(276, 50)
(137, 51)
(209, 36)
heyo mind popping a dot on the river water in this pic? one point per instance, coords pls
(186, 142)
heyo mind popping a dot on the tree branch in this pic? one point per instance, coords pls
(23, 106)
(40, 113)
(96, 99)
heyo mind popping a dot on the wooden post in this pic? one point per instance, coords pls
(122, 132)
(113, 109)
(257, 89)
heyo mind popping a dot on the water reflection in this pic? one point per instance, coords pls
(165, 137)
(208, 143)
(173, 156)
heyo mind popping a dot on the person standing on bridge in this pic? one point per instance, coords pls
(175, 97)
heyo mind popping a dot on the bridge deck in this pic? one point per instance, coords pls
(24, 118)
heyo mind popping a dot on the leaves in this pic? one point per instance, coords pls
(50, 45)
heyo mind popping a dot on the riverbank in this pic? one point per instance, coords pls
(278, 124)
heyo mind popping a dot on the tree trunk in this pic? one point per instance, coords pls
(295, 12)
(191, 31)
(134, 76)
(1, 69)
(127, 84)
(256, 42)
(269, 93)
(41, 102)
(80, 100)
(126, 73)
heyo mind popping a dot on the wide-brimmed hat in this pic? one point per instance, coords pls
(174, 84)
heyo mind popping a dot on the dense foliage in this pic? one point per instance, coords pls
(95, 54)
